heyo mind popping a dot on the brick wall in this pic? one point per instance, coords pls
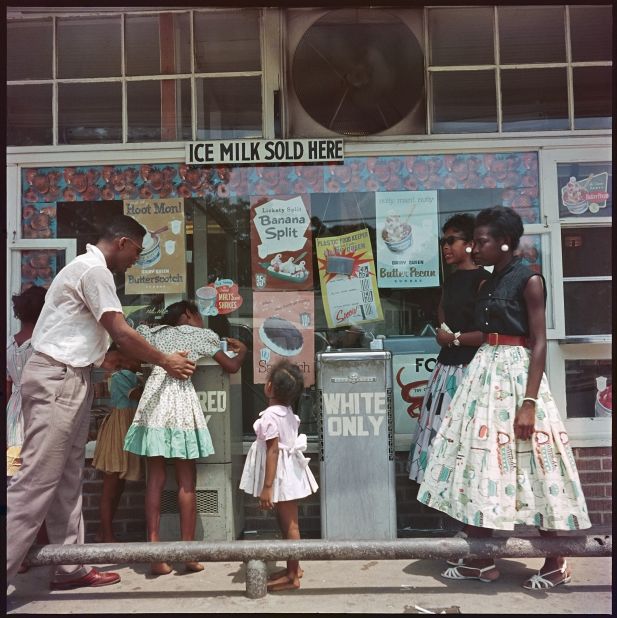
(413, 518)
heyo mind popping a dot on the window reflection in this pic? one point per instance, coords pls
(29, 118)
(589, 388)
(29, 44)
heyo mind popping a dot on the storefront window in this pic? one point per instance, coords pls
(219, 234)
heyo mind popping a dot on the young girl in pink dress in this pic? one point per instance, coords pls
(276, 471)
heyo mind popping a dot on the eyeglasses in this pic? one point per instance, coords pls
(449, 240)
(134, 243)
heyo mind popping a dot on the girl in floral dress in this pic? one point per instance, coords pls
(275, 470)
(169, 422)
(501, 456)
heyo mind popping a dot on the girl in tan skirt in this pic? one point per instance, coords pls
(110, 458)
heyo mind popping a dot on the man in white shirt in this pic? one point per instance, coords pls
(71, 336)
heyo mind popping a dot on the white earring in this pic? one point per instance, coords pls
(467, 249)
(505, 247)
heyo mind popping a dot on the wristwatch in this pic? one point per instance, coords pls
(456, 340)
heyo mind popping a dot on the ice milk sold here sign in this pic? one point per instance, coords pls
(264, 151)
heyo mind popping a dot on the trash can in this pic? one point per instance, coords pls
(356, 437)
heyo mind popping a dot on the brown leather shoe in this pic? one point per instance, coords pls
(93, 579)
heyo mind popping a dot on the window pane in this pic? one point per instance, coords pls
(593, 97)
(40, 267)
(531, 34)
(461, 36)
(159, 110)
(228, 107)
(534, 100)
(591, 33)
(586, 251)
(88, 47)
(89, 113)
(29, 49)
(589, 388)
(227, 41)
(145, 55)
(464, 102)
(29, 120)
(584, 317)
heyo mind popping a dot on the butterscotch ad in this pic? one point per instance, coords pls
(161, 267)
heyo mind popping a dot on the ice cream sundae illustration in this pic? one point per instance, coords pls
(396, 233)
(604, 397)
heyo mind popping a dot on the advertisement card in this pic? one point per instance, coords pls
(161, 267)
(407, 232)
(281, 244)
(218, 298)
(347, 278)
(283, 328)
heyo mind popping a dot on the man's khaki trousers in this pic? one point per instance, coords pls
(56, 400)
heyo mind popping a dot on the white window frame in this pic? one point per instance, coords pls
(589, 431)
(68, 245)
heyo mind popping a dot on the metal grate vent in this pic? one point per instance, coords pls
(207, 501)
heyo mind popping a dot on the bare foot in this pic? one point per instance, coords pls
(194, 567)
(283, 573)
(160, 568)
(105, 538)
(23, 568)
(284, 583)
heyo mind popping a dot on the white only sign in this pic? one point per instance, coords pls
(281, 226)
(265, 151)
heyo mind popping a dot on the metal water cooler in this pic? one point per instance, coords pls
(356, 436)
(220, 504)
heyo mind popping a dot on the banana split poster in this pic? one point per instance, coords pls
(281, 244)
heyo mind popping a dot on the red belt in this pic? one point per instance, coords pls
(499, 339)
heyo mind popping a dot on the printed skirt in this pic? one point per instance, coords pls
(441, 388)
(479, 474)
(109, 454)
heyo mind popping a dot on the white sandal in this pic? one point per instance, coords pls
(538, 581)
(454, 573)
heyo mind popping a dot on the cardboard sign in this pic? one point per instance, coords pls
(161, 267)
(281, 244)
(283, 328)
(347, 277)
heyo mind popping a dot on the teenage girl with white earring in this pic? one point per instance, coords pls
(458, 343)
(502, 456)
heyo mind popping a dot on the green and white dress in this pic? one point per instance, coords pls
(169, 421)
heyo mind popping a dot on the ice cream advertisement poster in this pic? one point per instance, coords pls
(281, 244)
(585, 190)
(283, 328)
(161, 267)
(347, 278)
(407, 230)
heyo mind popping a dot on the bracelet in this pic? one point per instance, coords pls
(534, 401)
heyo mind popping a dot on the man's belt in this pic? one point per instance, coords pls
(499, 339)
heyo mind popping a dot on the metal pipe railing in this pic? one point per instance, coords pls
(256, 553)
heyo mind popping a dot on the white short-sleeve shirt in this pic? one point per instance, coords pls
(68, 328)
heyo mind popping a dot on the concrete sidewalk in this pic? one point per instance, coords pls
(335, 586)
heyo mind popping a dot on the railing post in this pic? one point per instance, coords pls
(256, 579)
